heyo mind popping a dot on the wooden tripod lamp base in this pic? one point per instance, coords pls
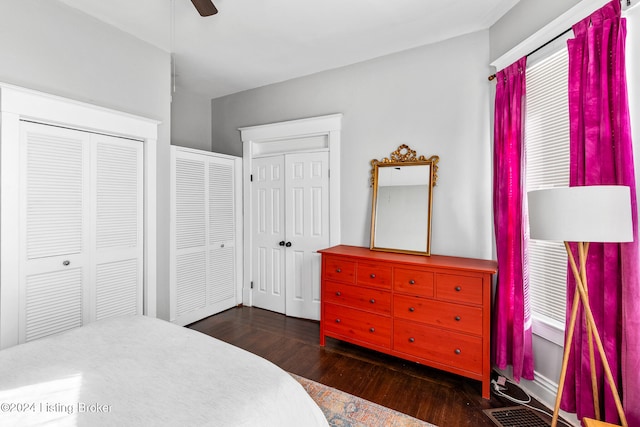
(581, 296)
(600, 213)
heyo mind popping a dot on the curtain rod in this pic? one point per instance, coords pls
(493, 76)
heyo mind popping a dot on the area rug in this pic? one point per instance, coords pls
(345, 410)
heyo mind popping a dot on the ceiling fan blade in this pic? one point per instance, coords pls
(205, 7)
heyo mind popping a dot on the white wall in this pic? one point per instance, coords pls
(524, 19)
(633, 81)
(191, 120)
(434, 98)
(50, 47)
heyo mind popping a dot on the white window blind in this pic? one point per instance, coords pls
(547, 165)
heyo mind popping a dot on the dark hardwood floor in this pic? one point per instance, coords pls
(428, 394)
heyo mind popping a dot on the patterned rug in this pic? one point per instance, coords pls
(345, 410)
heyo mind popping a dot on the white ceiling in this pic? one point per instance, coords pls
(252, 43)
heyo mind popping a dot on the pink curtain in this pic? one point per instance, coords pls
(601, 153)
(512, 339)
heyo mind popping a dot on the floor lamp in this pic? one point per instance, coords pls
(600, 213)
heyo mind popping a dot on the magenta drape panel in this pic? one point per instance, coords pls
(601, 153)
(512, 339)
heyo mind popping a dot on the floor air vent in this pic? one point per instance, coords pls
(516, 416)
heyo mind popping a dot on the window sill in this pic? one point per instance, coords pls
(548, 329)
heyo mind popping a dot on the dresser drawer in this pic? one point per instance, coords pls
(374, 275)
(449, 348)
(357, 325)
(458, 317)
(458, 288)
(339, 269)
(374, 300)
(413, 282)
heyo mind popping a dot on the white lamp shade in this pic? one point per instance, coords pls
(598, 213)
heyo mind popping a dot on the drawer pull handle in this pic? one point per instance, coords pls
(372, 301)
(457, 351)
(338, 270)
(372, 329)
(411, 309)
(66, 262)
(412, 282)
(338, 293)
(411, 339)
(373, 276)
(458, 288)
(337, 320)
(457, 318)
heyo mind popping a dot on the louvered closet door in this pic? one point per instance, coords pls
(203, 238)
(118, 205)
(54, 235)
(222, 230)
(81, 233)
(190, 236)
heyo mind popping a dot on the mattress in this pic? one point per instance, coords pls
(140, 371)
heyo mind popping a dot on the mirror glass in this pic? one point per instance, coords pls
(402, 201)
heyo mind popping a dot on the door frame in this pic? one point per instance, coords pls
(308, 134)
(19, 104)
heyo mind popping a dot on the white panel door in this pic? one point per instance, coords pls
(306, 230)
(54, 259)
(290, 222)
(117, 166)
(268, 246)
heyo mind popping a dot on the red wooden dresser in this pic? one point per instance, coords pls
(431, 310)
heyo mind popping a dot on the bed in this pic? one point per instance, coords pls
(140, 371)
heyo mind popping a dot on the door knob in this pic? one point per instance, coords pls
(281, 243)
(288, 244)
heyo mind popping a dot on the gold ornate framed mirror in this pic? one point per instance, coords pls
(402, 202)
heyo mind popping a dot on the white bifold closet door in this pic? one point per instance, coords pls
(204, 258)
(81, 203)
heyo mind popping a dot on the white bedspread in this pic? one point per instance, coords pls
(139, 371)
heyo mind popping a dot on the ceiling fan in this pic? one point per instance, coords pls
(205, 7)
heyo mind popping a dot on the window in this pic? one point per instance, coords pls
(547, 165)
